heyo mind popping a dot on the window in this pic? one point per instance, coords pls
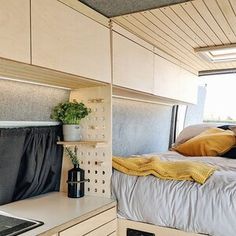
(220, 104)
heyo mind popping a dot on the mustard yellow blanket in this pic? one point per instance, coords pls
(175, 170)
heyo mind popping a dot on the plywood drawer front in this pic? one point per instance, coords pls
(105, 230)
(91, 224)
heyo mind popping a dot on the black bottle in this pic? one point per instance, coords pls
(76, 182)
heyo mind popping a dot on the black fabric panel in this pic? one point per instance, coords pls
(232, 152)
(11, 151)
(36, 164)
(224, 127)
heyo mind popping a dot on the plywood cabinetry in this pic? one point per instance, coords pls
(102, 224)
(15, 30)
(173, 82)
(133, 65)
(63, 39)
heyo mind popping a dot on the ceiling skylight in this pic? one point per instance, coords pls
(218, 53)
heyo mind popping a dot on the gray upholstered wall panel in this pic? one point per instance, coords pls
(28, 102)
(139, 127)
(194, 113)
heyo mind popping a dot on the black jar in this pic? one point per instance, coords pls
(76, 182)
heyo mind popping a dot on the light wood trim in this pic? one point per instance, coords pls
(157, 230)
(90, 224)
(203, 49)
(95, 144)
(35, 74)
(106, 229)
(129, 94)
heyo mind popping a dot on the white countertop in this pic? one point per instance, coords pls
(57, 211)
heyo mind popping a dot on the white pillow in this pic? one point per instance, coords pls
(191, 131)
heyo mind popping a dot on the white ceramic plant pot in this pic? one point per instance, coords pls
(71, 132)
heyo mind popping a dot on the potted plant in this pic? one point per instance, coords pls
(70, 114)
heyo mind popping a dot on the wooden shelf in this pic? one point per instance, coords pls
(95, 144)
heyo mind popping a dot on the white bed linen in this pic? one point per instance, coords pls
(208, 209)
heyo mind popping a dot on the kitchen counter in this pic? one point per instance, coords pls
(57, 211)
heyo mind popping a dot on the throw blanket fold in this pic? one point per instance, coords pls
(174, 170)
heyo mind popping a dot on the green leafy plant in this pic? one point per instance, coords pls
(70, 112)
(72, 155)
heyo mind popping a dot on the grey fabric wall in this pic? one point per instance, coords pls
(139, 127)
(28, 102)
(194, 113)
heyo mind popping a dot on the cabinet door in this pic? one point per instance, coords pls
(133, 65)
(171, 81)
(15, 30)
(65, 40)
(93, 225)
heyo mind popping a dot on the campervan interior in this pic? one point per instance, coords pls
(117, 118)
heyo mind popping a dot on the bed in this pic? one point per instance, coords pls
(184, 205)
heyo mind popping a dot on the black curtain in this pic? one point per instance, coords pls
(30, 162)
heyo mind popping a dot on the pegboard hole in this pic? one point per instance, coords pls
(96, 153)
(88, 171)
(96, 162)
(88, 180)
(103, 172)
(95, 190)
(104, 154)
(103, 191)
(96, 172)
(103, 182)
(88, 162)
(95, 180)
(88, 189)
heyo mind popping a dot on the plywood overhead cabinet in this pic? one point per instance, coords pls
(171, 81)
(133, 65)
(63, 39)
(15, 30)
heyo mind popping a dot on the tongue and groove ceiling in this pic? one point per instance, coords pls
(178, 29)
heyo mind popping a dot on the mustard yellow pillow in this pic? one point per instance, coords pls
(212, 142)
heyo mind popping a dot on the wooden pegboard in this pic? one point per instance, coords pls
(96, 161)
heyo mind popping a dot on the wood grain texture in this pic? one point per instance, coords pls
(65, 40)
(178, 29)
(133, 65)
(15, 30)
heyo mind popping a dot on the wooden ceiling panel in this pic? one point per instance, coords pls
(178, 29)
